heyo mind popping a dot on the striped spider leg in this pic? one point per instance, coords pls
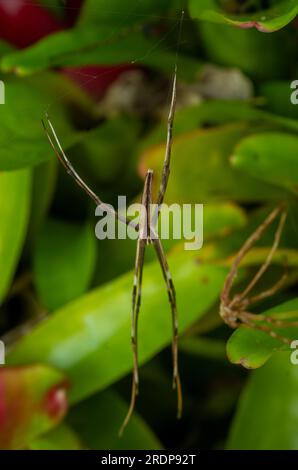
(172, 299)
(158, 246)
(234, 310)
(62, 157)
(148, 235)
(157, 243)
(143, 240)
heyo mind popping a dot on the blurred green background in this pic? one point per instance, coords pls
(103, 69)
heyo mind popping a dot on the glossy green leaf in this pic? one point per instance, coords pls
(265, 20)
(266, 418)
(90, 338)
(225, 111)
(117, 13)
(271, 157)
(104, 35)
(277, 96)
(22, 139)
(43, 185)
(215, 112)
(61, 437)
(261, 56)
(40, 392)
(103, 148)
(204, 347)
(221, 219)
(5, 47)
(97, 421)
(201, 171)
(15, 193)
(64, 261)
(252, 348)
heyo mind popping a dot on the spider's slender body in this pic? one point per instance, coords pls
(234, 310)
(146, 235)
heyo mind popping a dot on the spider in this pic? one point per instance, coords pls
(146, 235)
(234, 311)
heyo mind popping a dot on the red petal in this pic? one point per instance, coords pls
(23, 23)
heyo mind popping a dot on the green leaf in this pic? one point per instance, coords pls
(43, 186)
(105, 36)
(204, 347)
(33, 400)
(103, 148)
(64, 261)
(15, 192)
(266, 20)
(22, 140)
(60, 438)
(215, 112)
(271, 157)
(261, 56)
(225, 111)
(252, 348)
(277, 98)
(5, 47)
(221, 219)
(266, 418)
(90, 338)
(117, 13)
(201, 169)
(98, 420)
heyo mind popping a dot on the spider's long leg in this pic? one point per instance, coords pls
(268, 260)
(167, 160)
(144, 234)
(247, 320)
(172, 299)
(278, 323)
(136, 304)
(245, 249)
(267, 293)
(168, 153)
(156, 241)
(57, 147)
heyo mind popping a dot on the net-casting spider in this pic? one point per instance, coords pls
(234, 310)
(146, 235)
